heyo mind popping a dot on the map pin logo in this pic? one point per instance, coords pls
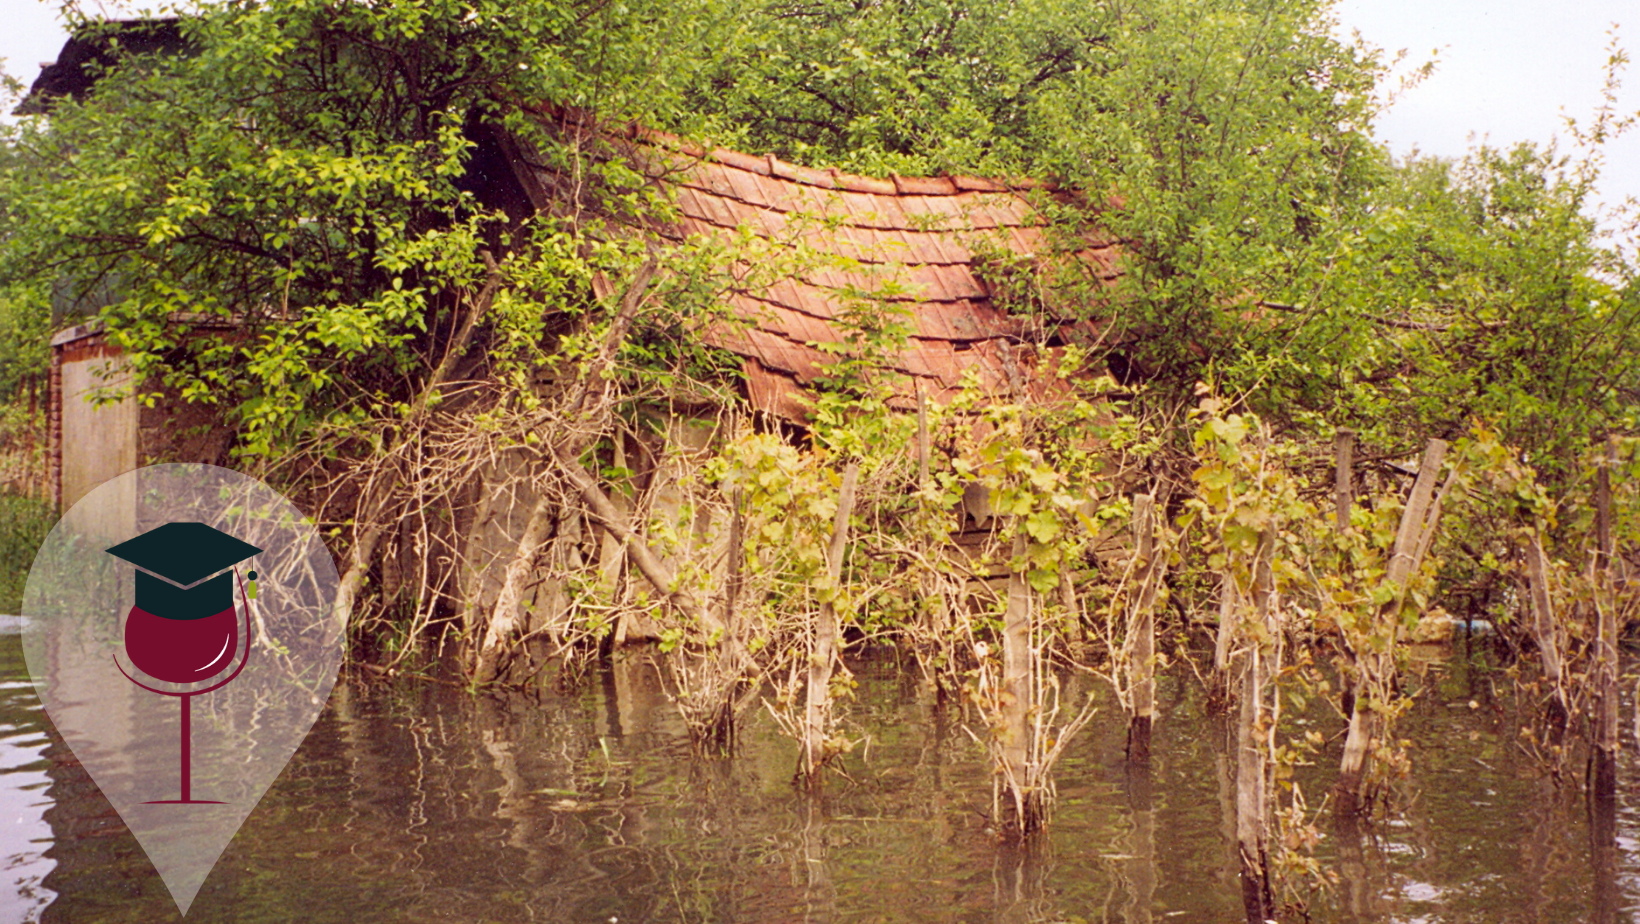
(181, 695)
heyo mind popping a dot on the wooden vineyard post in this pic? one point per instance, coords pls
(1218, 694)
(1017, 694)
(1373, 668)
(1141, 629)
(1343, 476)
(1605, 737)
(1544, 631)
(1252, 805)
(734, 645)
(1343, 503)
(927, 580)
(823, 657)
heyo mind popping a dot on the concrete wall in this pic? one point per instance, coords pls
(91, 444)
(97, 443)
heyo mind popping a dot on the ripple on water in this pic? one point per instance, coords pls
(25, 835)
(417, 803)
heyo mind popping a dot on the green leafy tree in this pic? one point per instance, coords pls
(1232, 139)
(914, 86)
(1485, 293)
(300, 169)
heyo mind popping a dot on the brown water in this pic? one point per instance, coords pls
(416, 802)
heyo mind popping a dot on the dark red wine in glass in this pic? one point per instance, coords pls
(181, 651)
(184, 628)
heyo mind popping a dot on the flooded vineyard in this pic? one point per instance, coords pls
(412, 801)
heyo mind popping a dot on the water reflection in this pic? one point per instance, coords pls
(420, 803)
(24, 833)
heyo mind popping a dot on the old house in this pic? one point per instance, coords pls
(967, 265)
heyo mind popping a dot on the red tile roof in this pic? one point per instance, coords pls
(911, 241)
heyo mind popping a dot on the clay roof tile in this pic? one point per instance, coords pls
(978, 184)
(924, 185)
(776, 194)
(713, 178)
(806, 175)
(741, 161)
(745, 186)
(866, 184)
(774, 393)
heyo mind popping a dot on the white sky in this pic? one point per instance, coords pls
(1507, 70)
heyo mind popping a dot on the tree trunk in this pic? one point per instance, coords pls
(563, 557)
(506, 618)
(1343, 476)
(472, 577)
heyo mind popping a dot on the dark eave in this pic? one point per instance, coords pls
(92, 50)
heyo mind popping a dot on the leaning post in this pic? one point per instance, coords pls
(1141, 629)
(1606, 697)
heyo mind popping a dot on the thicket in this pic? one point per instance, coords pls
(24, 522)
(1338, 395)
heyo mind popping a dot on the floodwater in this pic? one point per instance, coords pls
(417, 802)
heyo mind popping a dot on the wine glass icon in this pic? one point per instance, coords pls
(184, 626)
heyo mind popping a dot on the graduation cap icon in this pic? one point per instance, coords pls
(183, 626)
(175, 561)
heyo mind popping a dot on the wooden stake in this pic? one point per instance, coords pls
(1344, 502)
(922, 438)
(1016, 692)
(1606, 738)
(823, 658)
(1141, 630)
(1412, 540)
(1544, 631)
(1252, 808)
(1218, 699)
(1343, 476)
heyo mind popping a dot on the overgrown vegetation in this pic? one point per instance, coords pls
(24, 522)
(1337, 396)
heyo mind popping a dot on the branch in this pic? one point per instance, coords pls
(370, 527)
(1434, 326)
(611, 518)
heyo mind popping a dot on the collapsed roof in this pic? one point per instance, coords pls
(980, 281)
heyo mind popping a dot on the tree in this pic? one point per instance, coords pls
(1234, 140)
(301, 171)
(1484, 288)
(913, 86)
